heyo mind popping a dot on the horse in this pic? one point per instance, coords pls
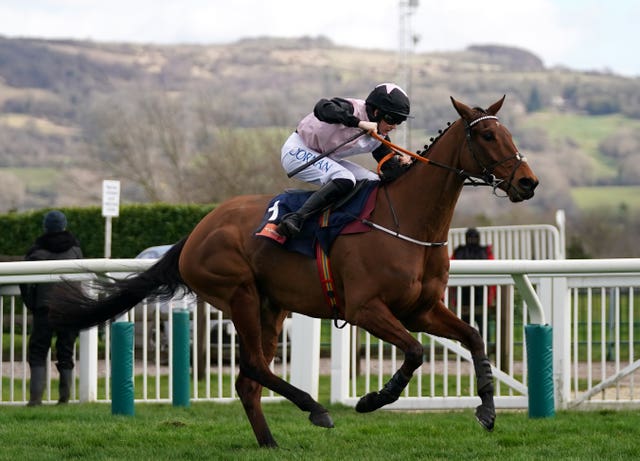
(390, 281)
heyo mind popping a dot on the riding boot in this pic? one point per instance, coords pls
(66, 379)
(291, 223)
(36, 385)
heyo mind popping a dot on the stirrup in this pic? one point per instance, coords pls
(290, 226)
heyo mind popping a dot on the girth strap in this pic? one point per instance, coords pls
(326, 277)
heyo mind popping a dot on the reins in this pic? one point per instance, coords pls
(400, 150)
(472, 179)
(486, 178)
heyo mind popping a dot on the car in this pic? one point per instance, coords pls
(154, 252)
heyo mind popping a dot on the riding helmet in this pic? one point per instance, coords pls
(390, 98)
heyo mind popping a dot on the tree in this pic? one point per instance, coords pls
(173, 150)
(623, 147)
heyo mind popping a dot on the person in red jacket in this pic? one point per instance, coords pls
(473, 250)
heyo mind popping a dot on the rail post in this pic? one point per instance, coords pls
(539, 339)
(122, 368)
(180, 367)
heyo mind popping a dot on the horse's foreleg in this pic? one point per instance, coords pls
(378, 320)
(486, 413)
(440, 321)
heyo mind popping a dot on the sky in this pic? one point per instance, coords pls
(600, 35)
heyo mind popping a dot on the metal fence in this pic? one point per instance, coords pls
(214, 350)
(527, 241)
(605, 346)
(595, 320)
(591, 305)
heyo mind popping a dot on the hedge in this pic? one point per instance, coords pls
(137, 227)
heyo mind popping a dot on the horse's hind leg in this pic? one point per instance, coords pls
(253, 332)
(250, 391)
(440, 321)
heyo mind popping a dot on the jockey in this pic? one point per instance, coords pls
(330, 126)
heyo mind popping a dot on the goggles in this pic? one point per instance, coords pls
(393, 119)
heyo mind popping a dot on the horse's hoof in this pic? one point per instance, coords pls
(367, 403)
(321, 419)
(269, 444)
(486, 417)
(374, 400)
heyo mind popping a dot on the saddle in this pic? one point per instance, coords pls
(343, 217)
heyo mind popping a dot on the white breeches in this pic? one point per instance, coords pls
(295, 154)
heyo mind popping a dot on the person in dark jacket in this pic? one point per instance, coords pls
(55, 243)
(473, 250)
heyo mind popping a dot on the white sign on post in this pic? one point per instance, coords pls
(110, 209)
(110, 198)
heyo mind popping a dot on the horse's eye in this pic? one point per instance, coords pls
(488, 136)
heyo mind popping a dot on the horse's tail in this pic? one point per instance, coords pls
(71, 308)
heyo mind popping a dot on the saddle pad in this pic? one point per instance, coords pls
(342, 220)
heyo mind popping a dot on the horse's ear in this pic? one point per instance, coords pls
(495, 107)
(465, 111)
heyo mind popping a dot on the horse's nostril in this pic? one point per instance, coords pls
(528, 184)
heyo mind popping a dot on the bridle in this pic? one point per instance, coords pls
(486, 177)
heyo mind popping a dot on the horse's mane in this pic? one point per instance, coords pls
(433, 140)
(425, 151)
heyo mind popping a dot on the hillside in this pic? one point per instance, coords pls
(73, 113)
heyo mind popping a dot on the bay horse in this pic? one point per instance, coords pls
(388, 286)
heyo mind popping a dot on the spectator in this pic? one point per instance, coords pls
(473, 250)
(55, 243)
